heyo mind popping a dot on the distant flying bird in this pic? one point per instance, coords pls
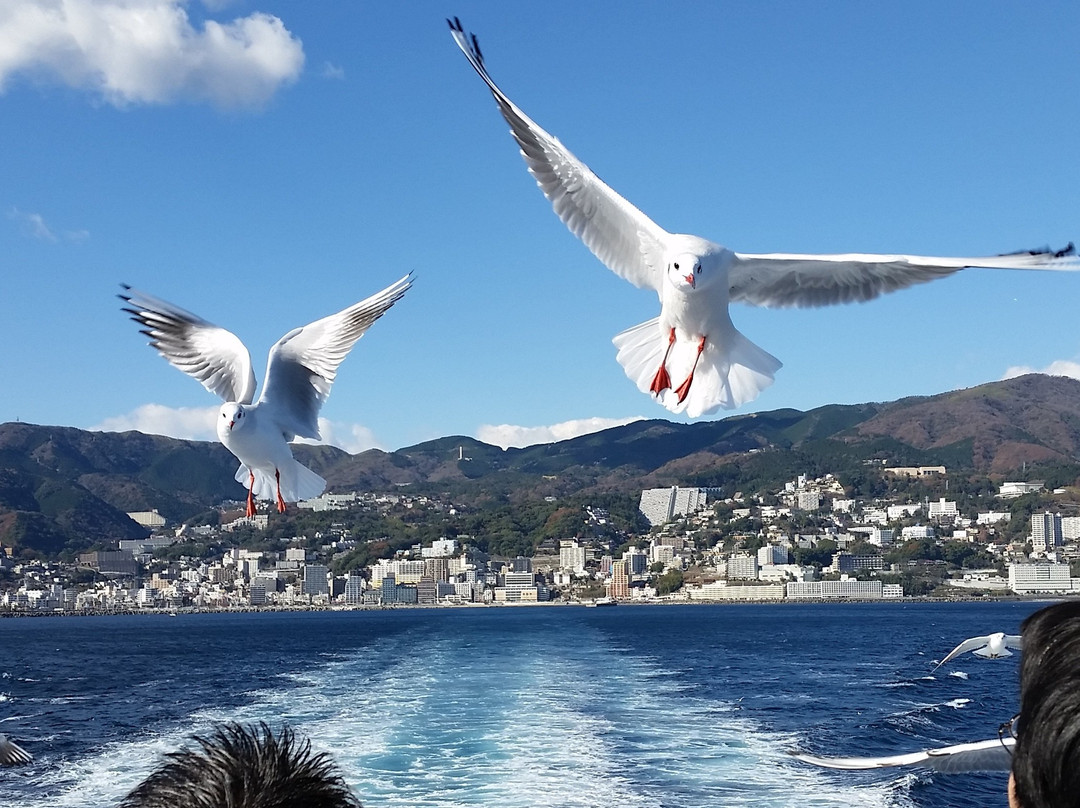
(11, 754)
(692, 358)
(302, 366)
(982, 756)
(991, 646)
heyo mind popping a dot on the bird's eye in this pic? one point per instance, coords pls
(697, 269)
(676, 266)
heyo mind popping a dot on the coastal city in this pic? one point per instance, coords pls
(808, 541)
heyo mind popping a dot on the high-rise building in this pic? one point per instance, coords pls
(315, 582)
(619, 588)
(571, 555)
(354, 589)
(743, 567)
(1045, 532)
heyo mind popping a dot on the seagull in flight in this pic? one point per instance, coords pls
(11, 754)
(691, 358)
(302, 366)
(992, 646)
(982, 756)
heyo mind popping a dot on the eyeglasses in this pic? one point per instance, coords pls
(1009, 728)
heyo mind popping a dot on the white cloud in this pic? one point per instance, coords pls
(200, 423)
(1059, 367)
(507, 435)
(353, 438)
(147, 51)
(187, 423)
(35, 226)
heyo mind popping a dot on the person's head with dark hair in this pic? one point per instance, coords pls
(1046, 759)
(244, 767)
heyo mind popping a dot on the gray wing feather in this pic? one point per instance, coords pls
(214, 356)
(981, 756)
(11, 754)
(303, 364)
(782, 280)
(620, 235)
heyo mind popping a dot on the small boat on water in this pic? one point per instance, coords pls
(603, 602)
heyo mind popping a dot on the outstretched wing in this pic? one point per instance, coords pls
(620, 235)
(11, 754)
(782, 280)
(303, 364)
(982, 756)
(214, 356)
(1014, 641)
(963, 648)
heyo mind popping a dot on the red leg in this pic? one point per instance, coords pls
(662, 381)
(684, 388)
(280, 501)
(251, 497)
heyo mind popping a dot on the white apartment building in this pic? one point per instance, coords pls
(993, 517)
(902, 511)
(571, 555)
(822, 590)
(772, 554)
(742, 566)
(1070, 527)
(916, 532)
(660, 505)
(440, 548)
(1040, 577)
(942, 508)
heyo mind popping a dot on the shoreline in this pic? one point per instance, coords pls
(193, 610)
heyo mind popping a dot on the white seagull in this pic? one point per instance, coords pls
(693, 343)
(992, 646)
(982, 756)
(301, 368)
(11, 754)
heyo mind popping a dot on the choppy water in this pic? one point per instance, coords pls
(633, 706)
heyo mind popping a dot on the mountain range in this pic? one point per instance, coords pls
(65, 489)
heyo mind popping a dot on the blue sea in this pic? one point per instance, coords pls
(641, 706)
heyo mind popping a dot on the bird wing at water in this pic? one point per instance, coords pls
(981, 756)
(11, 754)
(625, 239)
(303, 364)
(963, 648)
(209, 353)
(782, 280)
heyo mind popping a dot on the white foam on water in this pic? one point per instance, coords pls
(533, 721)
(959, 674)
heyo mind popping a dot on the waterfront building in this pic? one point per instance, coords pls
(825, 590)
(427, 590)
(315, 582)
(354, 589)
(1040, 577)
(637, 562)
(619, 586)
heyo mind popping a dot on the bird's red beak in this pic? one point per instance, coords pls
(690, 280)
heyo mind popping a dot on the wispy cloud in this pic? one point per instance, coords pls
(33, 225)
(1059, 367)
(332, 71)
(147, 51)
(200, 423)
(507, 435)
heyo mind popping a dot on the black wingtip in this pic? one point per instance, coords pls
(476, 49)
(1070, 249)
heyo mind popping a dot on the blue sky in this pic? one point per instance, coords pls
(347, 144)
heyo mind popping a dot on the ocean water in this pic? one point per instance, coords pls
(642, 706)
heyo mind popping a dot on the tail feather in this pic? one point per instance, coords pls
(728, 375)
(297, 482)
